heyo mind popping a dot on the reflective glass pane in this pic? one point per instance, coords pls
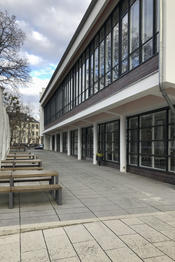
(115, 72)
(125, 36)
(146, 148)
(133, 122)
(134, 26)
(146, 120)
(147, 50)
(116, 45)
(160, 163)
(134, 59)
(147, 22)
(146, 161)
(133, 160)
(159, 148)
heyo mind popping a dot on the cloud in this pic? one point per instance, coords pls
(33, 59)
(49, 25)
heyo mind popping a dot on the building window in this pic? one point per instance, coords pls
(128, 37)
(109, 141)
(65, 142)
(147, 29)
(151, 140)
(134, 34)
(74, 143)
(87, 143)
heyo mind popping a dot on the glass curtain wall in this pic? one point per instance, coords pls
(65, 142)
(109, 141)
(128, 38)
(151, 140)
(87, 143)
(74, 143)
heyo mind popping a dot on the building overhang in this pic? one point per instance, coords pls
(117, 104)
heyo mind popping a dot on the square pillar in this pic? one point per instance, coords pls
(123, 144)
(55, 142)
(79, 144)
(95, 143)
(61, 142)
(68, 143)
(46, 142)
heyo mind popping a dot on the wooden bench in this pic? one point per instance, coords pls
(21, 163)
(5, 175)
(21, 168)
(6, 189)
(36, 188)
(36, 175)
(28, 176)
(20, 157)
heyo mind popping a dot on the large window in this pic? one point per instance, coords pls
(74, 143)
(109, 140)
(87, 143)
(65, 142)
(128, 38)
(151, 140)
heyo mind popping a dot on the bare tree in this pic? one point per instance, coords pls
(14, 70)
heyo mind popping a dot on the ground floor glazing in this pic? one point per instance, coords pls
(150, 141)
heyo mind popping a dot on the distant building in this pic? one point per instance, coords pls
(27, 130)
(114, 89)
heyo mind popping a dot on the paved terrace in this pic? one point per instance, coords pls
(88, 192)
(121, 218)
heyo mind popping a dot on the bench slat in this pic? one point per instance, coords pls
(33, 173)
(4, 189)
(36, 188)
(21, 168)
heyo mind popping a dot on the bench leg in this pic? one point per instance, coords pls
(59, 196)
(10, 200)
(11, 193)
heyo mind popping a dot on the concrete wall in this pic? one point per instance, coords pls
(4, 129)
(167, 40)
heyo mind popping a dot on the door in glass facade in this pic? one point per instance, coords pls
(87, 143)
(74, 143)
(109, 141)
(65, 142)
(58, 142)
(53, 142)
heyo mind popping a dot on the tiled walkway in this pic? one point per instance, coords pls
(112, 217)
(88, 192)
(149, 238)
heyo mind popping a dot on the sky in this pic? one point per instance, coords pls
(49, 26)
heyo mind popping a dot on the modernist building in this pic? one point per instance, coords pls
(113, 90)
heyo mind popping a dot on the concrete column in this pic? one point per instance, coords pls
(46, 142)
(68, 143)
(61, 142)
(122, 144)
(95, 143)
(79, 144)
(55, 142)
